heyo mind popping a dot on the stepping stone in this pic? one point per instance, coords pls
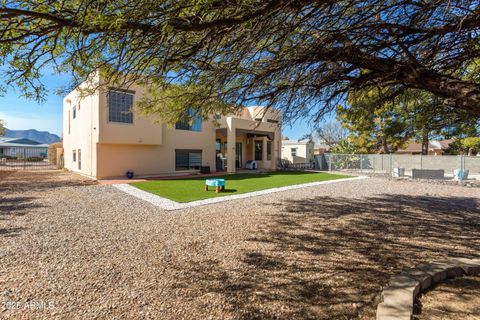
(405, 282)
(421, 276)
(453, 269)
(386, 311)
(470, 266)
(436, 271)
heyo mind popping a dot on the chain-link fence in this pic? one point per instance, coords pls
(385, 163)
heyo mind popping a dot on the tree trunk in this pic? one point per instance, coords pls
(459, 93)
(425, 142)
(385, 147)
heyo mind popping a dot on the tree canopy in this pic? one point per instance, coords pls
(385, 125)
(331, 133)
(471, 144)
(300, 56)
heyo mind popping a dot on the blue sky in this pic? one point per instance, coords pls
(20, 113)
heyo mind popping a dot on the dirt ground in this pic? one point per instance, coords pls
(453, 299)
(72, 249)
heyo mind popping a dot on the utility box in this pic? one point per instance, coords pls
(428, 174)
(398, 172)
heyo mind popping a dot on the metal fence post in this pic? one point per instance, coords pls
(391, 164)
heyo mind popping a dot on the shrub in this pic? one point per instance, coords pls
(472, 144)
(52, 152)
(34, 159)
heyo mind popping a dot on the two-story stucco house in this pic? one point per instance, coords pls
(103, 138)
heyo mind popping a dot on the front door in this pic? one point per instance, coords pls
(238, 155)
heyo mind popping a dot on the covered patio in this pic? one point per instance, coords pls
(239, 142)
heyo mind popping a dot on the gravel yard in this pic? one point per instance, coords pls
(453, 299)
(71, 249)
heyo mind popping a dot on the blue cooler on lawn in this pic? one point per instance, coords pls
(219, 184)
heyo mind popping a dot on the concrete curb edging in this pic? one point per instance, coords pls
(168, 204)
(399, 296)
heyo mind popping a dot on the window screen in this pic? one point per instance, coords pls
(188, 159)
(120, 107)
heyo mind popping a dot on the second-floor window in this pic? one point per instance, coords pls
(194, 125)
(294, 152)
(74, 112)
(120, 107)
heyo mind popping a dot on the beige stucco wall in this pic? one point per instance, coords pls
(143, 130)
(80, 133)
(147, 148)
(115, 160)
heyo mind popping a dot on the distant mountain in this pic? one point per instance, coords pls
(32, 134)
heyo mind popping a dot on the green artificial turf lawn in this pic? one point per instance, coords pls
(191, 189)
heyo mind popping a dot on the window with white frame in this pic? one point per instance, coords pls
(293, 152)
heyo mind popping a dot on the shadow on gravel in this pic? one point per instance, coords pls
(40, 181)
(456, 298)
(22, 191)
(328, 258)
(16, 206)
(10, 232)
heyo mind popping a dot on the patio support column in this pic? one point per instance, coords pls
(264, 152)
(231, 139)
(275, 150)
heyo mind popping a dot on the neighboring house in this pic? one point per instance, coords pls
(320, 149)
(104, 138)
(298, 151)
(22, 148)
(435, 147)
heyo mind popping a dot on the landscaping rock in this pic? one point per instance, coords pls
(471, 267)
(421, 276)
(405, 282)
(386, 311)
(451, 268)
(436, 271)
(399, 297)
